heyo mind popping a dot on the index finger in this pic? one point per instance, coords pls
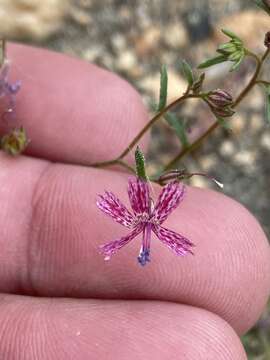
(73, 111)
(50, 238)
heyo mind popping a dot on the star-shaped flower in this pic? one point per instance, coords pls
(145, 218)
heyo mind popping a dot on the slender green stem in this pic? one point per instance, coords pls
(266, 53)
(152, 122)
(143, 131)
(216, 124)
(192, 147)
(251, 83)
(185, 96)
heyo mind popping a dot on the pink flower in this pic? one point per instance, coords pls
(145, 218)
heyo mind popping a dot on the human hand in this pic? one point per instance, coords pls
(60, 300)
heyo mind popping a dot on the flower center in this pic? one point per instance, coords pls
(144, 219)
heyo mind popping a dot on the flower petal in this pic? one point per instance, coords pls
(138, 192)
(174, 241)
(112, 247)
(170, 197)
(111, 205)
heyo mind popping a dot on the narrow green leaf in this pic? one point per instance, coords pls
(228, 48)
(262, 5)
(231, 34)
(163, 88)
(140, 164)
(187, 72)
(178, 126)
(213, 61)
(235, 56)
(267, 104)
(237, 63)
(268, 108)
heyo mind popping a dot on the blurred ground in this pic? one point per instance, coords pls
(133, 38)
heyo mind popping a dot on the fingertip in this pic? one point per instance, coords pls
(232, 257)
(113, 329)
(73, 111)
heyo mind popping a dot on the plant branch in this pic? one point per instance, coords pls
(252, 81)
(210, 130)
(143, 131)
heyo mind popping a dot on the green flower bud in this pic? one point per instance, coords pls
(15, 142)
(235, 56)
(233, 51)
(140, 164)
(227, 48)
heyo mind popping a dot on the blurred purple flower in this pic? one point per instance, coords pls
(8, 90)
(146, 217)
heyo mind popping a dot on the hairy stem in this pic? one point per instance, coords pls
(216, 124)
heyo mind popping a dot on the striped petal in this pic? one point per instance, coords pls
(112, 247)
(174, 241)
(170, 197)
(112, 206)
(138, 192)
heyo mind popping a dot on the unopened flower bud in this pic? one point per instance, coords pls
(219, 98)
(15, 142)
(223, 112)
(267, 40)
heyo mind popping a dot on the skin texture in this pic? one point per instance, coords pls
(60, 300)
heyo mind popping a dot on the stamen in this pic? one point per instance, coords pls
(144, 257)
